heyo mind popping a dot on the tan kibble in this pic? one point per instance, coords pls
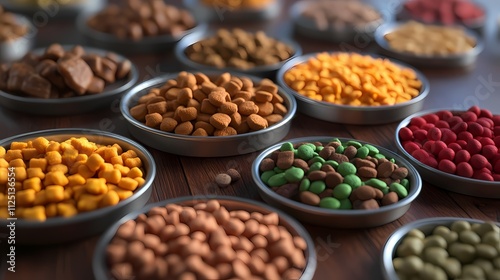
(225, 131)
(235, 120)
(228, 108)
(256, 122)
(274, 118)
(153, 120)
(168, 124)
(247, 108)
(265, 109)
(158, 107)
(139, 112)
(200, 132)
(207, 127)
(207, 107)
(263, 96)
(187, 114)
(185, 128)
(184, 95)
(218, 97)
(279, 109)
(246, 95)
(220, 120)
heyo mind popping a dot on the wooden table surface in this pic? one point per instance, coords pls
(342, 253)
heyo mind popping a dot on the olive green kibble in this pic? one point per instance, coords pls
(486, 251)
(330, 203)
(277, 180)
(353, 180)
(340, 149)
(484, 264)
(397, 263)
(458, 226)
(266, 175)
(317, 187)
(435, 241)
(465, 253)
(315, 166)
(332, 163)
(287, 146)
(496, 262)
(278, 170)
(356, 144)
(452, 267)
(412, 265)
(304, 185)
(472, 271)
(410, 246)
(294, 174)
(493, 274)
(379, 156)
(416, 233)
(345, 203)
(483, 228)
(399, 189)
(317, 159)
(342, 191)
(469, 237)
(372, 149)
(406, 183)
(492, 238)
(435, 255)
(432, 272)
(305, 152)
(362, 152)
(346, 168)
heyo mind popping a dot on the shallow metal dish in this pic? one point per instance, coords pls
(99, 265)
(60, 229)
(449, 182)
(71, 105)
(307, 28)
(17, 48)
(349, 218)
(346, 114)
(146, 45)
(456, 60)
(203, 146)
(222, 14)
(54, 10)
(261, 71)
(426, 226)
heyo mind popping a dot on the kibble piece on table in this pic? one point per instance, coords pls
(10, 27)
(225, 179)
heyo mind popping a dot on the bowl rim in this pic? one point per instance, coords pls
(98, 258)
(84, 132)
(400, 148)
(424, 91)
(415, 189)
(193, 38)
(129, 82)
(395, 238)
(141, 88)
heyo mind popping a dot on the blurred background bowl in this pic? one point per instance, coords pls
(222, 13)
(15, 49)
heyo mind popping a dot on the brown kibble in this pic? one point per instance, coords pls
(205, 126)
(389, 198)
(266, 164)
(273, 119)
(385, 169)
(199, 132)
(157, 107)
(265, 109)
(220, 120)
(368, 172)
(363, 193)
(263, 96)
(234, 174)
(115, 253)
(248, 108)
(168, 124)
(218, 97)
(223, 180)
(153, 120)
(316, 175)
(228, 108)
(207, 107)
(185, 128)
(332, 179)
(350, 152)
(309, 198)
(399, 173)
(279, 109)
(76, 73)
(228, 131)
(256, 122)
(184, 95)
(187, 114)
(365, 204)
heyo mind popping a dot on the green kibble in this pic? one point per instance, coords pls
(277, 180)
(416, 233)
(435, 255)
(392, 160)
(353, 180)
(469, 237)
(340, 149)
(319, 148)
(345, 203)
(278, 170)
(315, 166)
(342, 191)
(304, 185)
(399, 189)
(336, 140)
(435, 241)
(305, 152)
(486, 251)
(266, 175)
(372, 149)
(332, 163)
(377, 183)
(330, 203)
(317, 187)
(287, 146)
(378, 156)
(406, 183)
(317, 159)
(311, 145)
(362, 152)
(356, 144)
(346, 168)
(294, 174)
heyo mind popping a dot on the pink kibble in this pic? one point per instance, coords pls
(464, 169)
(431, 118)
(442, 124)
(434, 134)
(487, 132)
(410, 147)
(454, 120)
(446, 153)
(418, 121)
(405, 134)
(455, 147)
(430, 161)
(478, 161)
(413, 127)
(444, 114)
(473, 146)
(420, 135)
(420, 154)
(488, 123)
(496, 130)
(462, 156)
(447, 166)
(459, 127)
(428, 145)
(437, 147)
(489, 151)
(465, 135)
(448, 136)
(496, 119)
(482, 176)
(475, 128)
(474, 109)
(427, 126)
(462, 143)
(485, 113)
(485, 141)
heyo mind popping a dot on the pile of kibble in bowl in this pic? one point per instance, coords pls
(335, 175)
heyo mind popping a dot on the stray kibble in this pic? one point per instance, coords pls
(234, 174)
(223, 180)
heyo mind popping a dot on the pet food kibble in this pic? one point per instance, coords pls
(236, 5)
(56, 184)
(10, 27)
(214, 243)
(319, 174)
(215, 109)
(448, 12)
(239, 49)
(353, 79)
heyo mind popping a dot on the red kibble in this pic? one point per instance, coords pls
(447, 166)
(434, 134)
(462, 143)
(496, 177)
(464, 169)
(420, 135)
(482, 176)
(444, 114)
(475, 128)
(496, 167)
(489, 151)
(485, 141)
(405, 134)
(496, 119)
(455, 147)
(487, 132)
(430, 161)
(465, 135)
(410, 147)
(418, 121)
(413, 127)
(431, 118)
(485, 113)
(442, 124)
(474, 109)
(478, 161)
(473, 146)
(487, 123)
(420, 154)
(448, 136)
(454, 120)
(437, 147)
(462, 156)
(427, 126)
(428, 146)
(496, 130)
(459, 127)
(497, 141)
(446, 153)
(469, 116)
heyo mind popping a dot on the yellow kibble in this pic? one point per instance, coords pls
(84, 170)
(128, 154)
(40, 198)
(119, 149)
(135, 172)
(122, 194)
(78, 191)
(109, 199)
(39, 162)
(140, 181)
(4, 175)
(116, 160)
(20, 174)
(53, 157)
(53, 147)
(133, 162)
(3, 162)
(2, 151)
(100, 151)
(96, 186)
(13, 154)
(35, 172)
(68, 193)
(81, 157)
(111, 176)
(127, 183)
(55, 178)
(25, 198)
(29, 153)
(34, 183)
(109, 153)
(16, 145)
(69, 156)
(75, 179)
(58, 167)
(40, 144)
(54, 193)
(18, 186)
(88, 202)
(66, 209)
(94, 162)
(87, 148)
(51, 210)
(36, 213)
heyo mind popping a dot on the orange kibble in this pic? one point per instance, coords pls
(133, 162)
(84, 171)
(111, 176)
(75, 180)
(18, 162)
(55, 178)
(135, 172)
(40, 144)
(34, 183)
(13, 154)
(127, 183)
(94, 162)
(96, 186)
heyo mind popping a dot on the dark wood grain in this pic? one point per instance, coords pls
(342, 253)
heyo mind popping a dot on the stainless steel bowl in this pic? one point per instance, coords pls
(146, 45)
(447, 181)
(203, 146)
(17, 48)
(99, 264)
(60, 229)
(456, 60)
(214, 13)
(307, 28)
(352, 218)
(261, 71)
(53, 9)
(71, 105)
(346, 114)
(426, 226)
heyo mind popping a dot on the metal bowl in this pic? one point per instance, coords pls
(17, 48)
(99, 265)
(203, 146)
(307, 28)
(447, 181)
(338, 218)
(261, 71)
(426, 226)
(203, 12)
(60, 229)
(358, 115)
(150, 44)
(71, 105)
(53, 9)
(455, 60)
